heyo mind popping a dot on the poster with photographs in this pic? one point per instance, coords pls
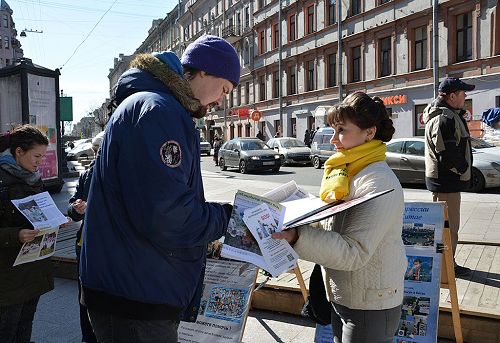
(225, 302)
(422, 230)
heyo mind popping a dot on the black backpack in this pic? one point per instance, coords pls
(317, 307)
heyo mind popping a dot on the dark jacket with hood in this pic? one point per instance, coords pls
(29, 280)
(147, 224)
(448, 152)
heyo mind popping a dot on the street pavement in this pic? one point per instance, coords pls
(57, 319)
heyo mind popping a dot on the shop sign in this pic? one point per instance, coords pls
(242, 112)
(394, 100)
(256, 115)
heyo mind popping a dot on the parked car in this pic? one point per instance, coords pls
(248, 154)
(205, 147)
(74, 144)
(82, 150)
(291, 150)
(321, 148)
(406, 158)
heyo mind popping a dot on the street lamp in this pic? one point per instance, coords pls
(23, 32)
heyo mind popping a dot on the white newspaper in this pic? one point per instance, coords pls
(41, 211)
(43, 246)
(43, 214)
(278, 254)
(239, 243)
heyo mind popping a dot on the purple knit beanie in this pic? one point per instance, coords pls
(214, 56)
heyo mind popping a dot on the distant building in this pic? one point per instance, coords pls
(10, 47)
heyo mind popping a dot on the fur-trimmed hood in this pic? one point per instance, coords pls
(159, 73)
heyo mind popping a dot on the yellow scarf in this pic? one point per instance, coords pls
(340, 167)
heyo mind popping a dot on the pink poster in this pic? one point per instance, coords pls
(48, 167)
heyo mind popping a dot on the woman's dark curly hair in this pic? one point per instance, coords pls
(365, 112)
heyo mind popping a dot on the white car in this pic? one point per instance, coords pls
(205, 147)
(82, 150)
(406, 158)
(291, 150)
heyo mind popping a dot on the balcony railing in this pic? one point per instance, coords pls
(231, 33)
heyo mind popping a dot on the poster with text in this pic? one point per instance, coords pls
(224, 306)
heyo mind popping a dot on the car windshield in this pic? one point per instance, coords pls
(479, 143)
(292, 143)
(253, 145)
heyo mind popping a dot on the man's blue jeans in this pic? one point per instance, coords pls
(113, 329)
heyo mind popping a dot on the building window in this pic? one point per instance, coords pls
(356, 64)
(246, 53)
(355, 7)
(310, 19)
(293, 125)
(332, 70)
(6, 42)
(291, 28)
(262, 42)
(247, 17)
(385, 56)
(310, 71)
(262, 88)
(381, 2)
(276, 84)
(292, 81)
(231, 100)
(238, 95)
(262, 3)
(5, 20)
(464, 37)
(421, 48)
(247, 93)
(277, 128)
(331, 11)
(276, 36)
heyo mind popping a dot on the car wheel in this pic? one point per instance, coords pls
(275, 170)
(478, 181)
(316, 162)
(282, 158)
(208, 153)
(243, 167)
(222, 165)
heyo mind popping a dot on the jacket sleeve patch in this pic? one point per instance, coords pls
(171, 154)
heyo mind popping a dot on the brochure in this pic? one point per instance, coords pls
(278, 254)
(43, 214)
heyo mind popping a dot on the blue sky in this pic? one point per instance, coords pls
(66, 23)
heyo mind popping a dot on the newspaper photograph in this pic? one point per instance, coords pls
(239, 243)
(43, 246)
(225, 302)
(41, 211)
(278, 254)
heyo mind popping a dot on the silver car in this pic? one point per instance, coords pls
(291, 150)
(406, 157)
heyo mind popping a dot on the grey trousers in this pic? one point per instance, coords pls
(364, 326)
(112, 329)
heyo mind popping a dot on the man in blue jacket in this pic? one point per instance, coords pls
(147, 223)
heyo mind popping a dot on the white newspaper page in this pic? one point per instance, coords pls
(278, 254)
(239, 243)
(43, 246)
(287, 192)
(40, 210)
(227, 290)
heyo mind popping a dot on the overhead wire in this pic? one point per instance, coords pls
(88, 35)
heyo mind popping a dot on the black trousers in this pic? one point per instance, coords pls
(16, 321)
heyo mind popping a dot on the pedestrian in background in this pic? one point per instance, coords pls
(360, 250)
(260, 136)
(448, 153)
(21, 152)
(147, 223)
(307, 138)
(217, 144)
(76, 211)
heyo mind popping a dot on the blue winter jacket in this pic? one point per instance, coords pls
(147, 223)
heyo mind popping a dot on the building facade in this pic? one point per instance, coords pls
(387, 51)
(10, 47)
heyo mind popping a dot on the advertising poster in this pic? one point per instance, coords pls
(225, 302)
(42, 114)
(422, 231)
